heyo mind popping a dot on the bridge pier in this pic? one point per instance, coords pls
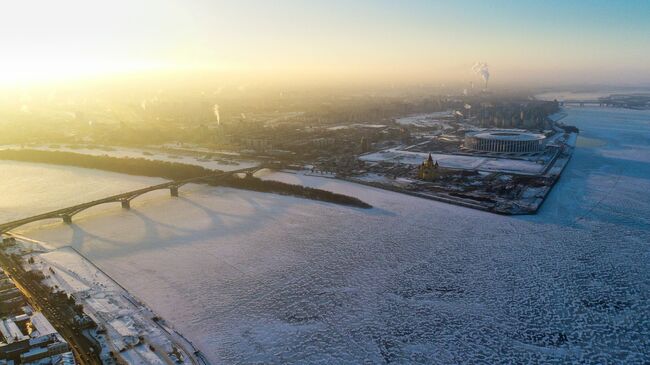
(125, 199)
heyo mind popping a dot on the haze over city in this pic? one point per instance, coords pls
(324, 182)
(525, 42)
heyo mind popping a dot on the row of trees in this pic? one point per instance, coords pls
(269, 186)
(130, 166)
(175, 171)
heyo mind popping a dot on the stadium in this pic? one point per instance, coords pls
(504, 141)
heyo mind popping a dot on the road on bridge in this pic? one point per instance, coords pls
(124, 198)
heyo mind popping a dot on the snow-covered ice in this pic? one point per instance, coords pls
(29, 188)
(260, 278)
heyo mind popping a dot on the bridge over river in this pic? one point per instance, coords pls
(124, 198)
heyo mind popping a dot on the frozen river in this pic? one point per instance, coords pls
(261, 278)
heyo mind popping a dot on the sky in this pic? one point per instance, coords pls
(430, 41)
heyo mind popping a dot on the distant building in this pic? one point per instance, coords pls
(428, 170)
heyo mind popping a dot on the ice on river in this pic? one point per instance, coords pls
(261, 278)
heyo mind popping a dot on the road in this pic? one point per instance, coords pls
(85, 351)
(30, 291)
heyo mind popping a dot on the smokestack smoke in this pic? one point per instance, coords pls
(481, 69)
(216, 113)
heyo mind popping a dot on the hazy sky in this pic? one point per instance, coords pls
(524, 41)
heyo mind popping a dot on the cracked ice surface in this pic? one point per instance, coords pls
(261, 278)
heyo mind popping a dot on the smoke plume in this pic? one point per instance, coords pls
(481, 69)
(216, 113)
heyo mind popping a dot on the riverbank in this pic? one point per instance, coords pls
(210, 159)
(177, 171)
(123, 165)
(500, 192)
(124, 330)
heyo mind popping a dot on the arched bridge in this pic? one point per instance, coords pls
(124, 198)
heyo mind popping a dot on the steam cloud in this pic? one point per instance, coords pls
(481, 69)
(216, 113)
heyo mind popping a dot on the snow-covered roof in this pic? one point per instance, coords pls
(42, 325)
(11, 332)
(506, 135)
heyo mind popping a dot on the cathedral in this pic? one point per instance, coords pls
(428, 169)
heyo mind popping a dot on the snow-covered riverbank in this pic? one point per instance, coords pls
(198, 157)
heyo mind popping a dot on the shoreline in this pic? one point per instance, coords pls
(552, 172)
(178, 171)
(112, 307)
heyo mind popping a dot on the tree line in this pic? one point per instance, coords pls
(249, 182)
(176, 171)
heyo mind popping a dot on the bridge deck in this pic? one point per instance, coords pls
(68, 212)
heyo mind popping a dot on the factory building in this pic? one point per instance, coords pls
(504, 141)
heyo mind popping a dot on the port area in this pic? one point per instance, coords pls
(113, 327)
(510, 184)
